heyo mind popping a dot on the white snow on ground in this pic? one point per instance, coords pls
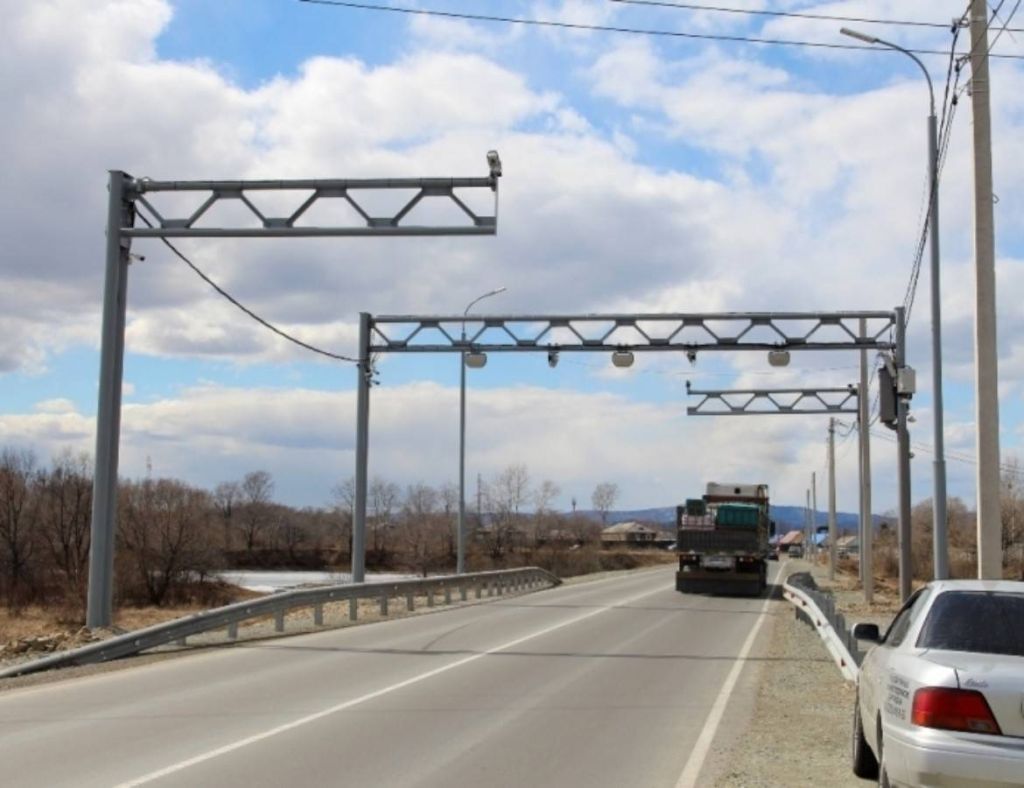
(271, 581)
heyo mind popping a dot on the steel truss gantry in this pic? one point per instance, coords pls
(634, 332)
(143, 198)
(768, 402)
(659, 332)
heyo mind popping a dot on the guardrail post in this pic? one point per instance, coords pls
(430, 597)
(318, 615)
(279, 620)
(182, 641)
(233, 630)
(501, 586)
(447, 595)
(490, 589)
(410, 604)
(462, 592)
(383, 604)
(353, 608)
(478, 590)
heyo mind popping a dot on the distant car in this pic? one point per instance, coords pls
(940, 698)
(795, 551)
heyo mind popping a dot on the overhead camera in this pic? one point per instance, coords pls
(553, 358)
(691, 356)
(494, 162)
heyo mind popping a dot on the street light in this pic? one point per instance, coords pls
(939, 523)
(474, 360)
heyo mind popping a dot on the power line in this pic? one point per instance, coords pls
(243, 307)
(653, 32)
(1005, 28)
(952, 455)
(786, 14)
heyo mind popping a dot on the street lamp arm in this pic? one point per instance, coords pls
(875, 40)
(474, 302)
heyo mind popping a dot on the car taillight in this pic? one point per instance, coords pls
(954, 710)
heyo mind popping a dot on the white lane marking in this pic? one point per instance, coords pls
(688, 779)
(206, 756)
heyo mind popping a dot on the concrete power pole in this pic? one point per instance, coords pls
(866, 521)
(814, 510)
(986, 359)
(832, 499)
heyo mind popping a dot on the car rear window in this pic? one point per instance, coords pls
(985, 622)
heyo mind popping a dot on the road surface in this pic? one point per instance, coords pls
(617, 682)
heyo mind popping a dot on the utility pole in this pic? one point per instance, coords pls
(814, 510)
(866, 520)
(832, 498)
(903, 451)
(807, 522)
(986, 358)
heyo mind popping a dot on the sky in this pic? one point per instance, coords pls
(641, 174)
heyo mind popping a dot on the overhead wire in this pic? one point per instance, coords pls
(785, 14)
(651, 32)
(225, 294)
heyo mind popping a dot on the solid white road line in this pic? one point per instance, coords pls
(209, 755)
(688, 779)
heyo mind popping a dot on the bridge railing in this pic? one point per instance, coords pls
(445, 587)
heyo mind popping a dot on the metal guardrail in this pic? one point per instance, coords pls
(230, 616)
(819, 609)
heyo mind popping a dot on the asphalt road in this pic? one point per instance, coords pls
(609, 683)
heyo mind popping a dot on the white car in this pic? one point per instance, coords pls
(940, 698)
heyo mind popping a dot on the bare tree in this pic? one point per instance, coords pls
(227, 496)
(65, 515)
(254, 510)
(1012, 509)
(505, 497)
(343, 498)
(449, 494)
(384, 500)
(543, 497)
(17, 532)
(604, 497)
(421, 534)
(164, 528)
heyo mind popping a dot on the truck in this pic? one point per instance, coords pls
(723, 540)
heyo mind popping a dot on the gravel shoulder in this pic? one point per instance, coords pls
(799, 728)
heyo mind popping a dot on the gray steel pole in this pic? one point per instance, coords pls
(807, 522)
(364, 374)
(939, 519)
(903, 461)
(103, 528)
(832, 498)
(867, 521)
(986, 367)
(814, 510)
(460, 560)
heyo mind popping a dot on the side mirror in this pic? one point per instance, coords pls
(867, 632)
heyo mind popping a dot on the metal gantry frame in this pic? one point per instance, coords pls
(773, 402)
(615, 333)
(131, 198)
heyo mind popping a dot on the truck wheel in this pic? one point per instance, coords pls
(865, 765)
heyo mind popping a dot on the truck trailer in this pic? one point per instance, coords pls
(722, 540)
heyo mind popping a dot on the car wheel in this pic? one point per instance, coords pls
(865, 765)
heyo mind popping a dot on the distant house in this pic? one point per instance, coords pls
(791, 538)
(629, 533)
(848, 545)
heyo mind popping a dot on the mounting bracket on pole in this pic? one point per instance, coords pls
(766, 402)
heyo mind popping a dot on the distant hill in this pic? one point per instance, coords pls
(787, 518)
